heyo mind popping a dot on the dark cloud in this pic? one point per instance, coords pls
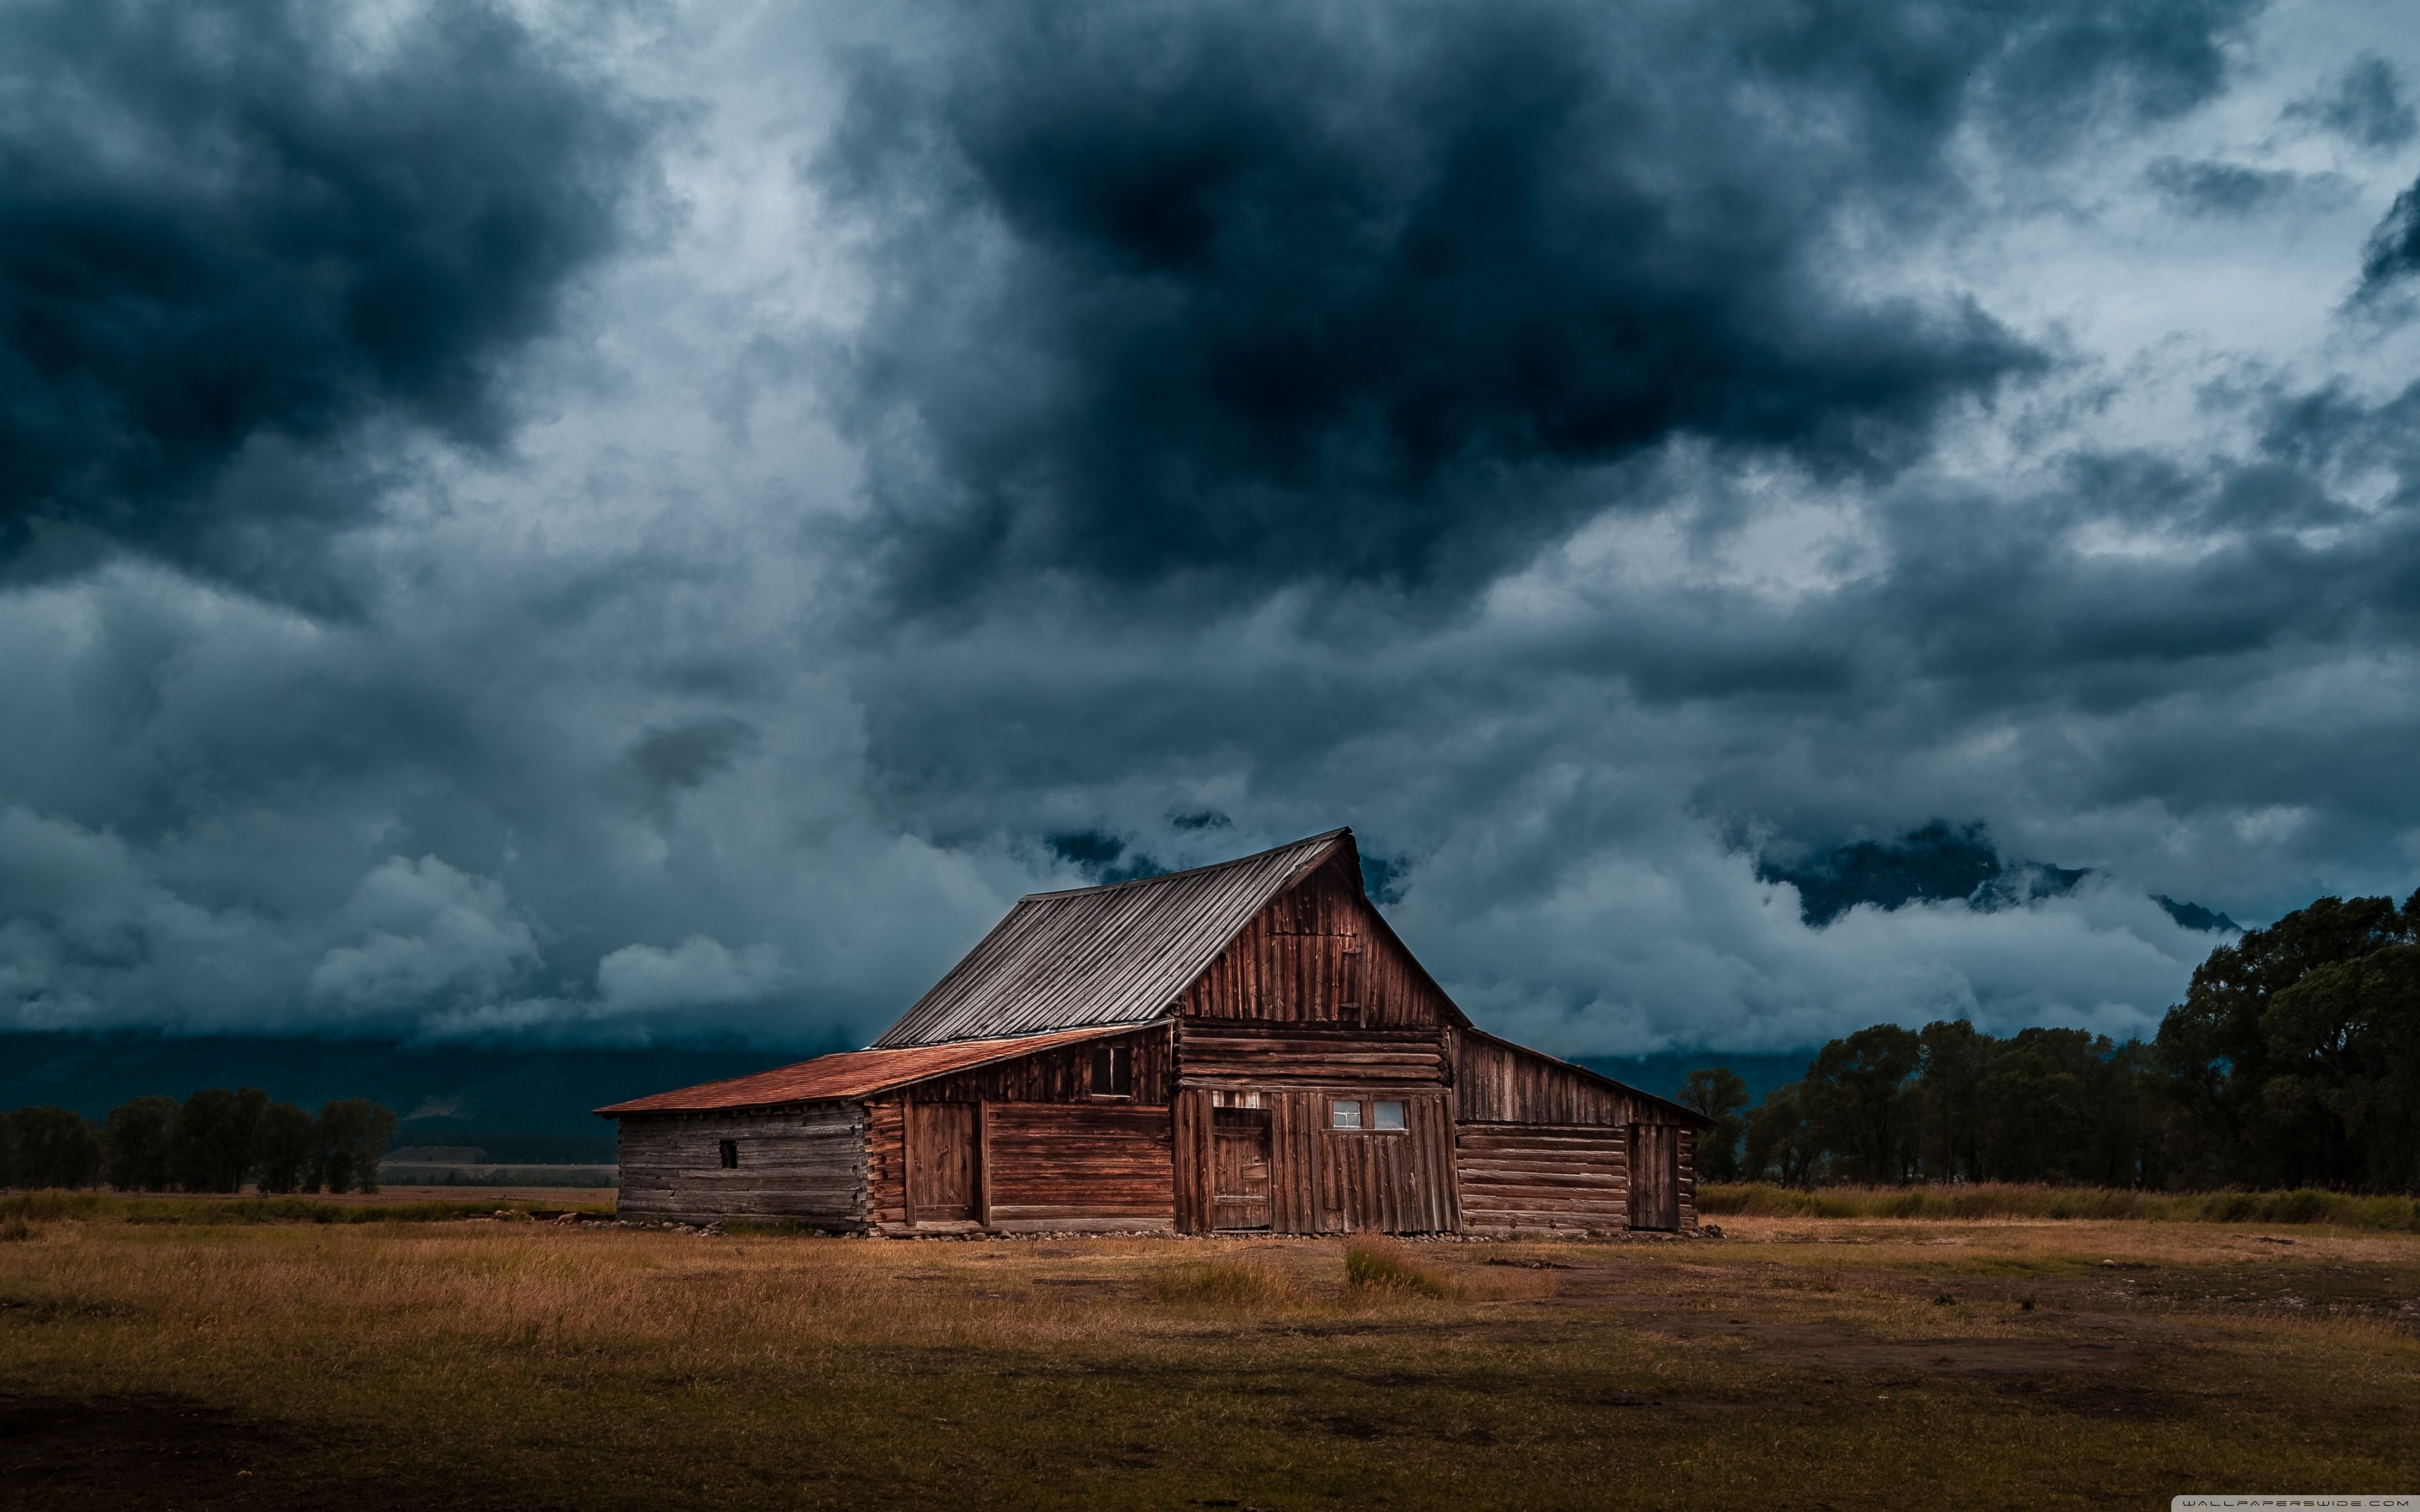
(1824, 422)
(241, 225)
(1361, 293)
(2365, 106)
(1101, 856)
(2219, 188)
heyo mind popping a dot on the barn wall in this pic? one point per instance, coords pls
(1058, 1166)
(1326, 1180)
(1226, 1053)
(1498, 1083)
(886, 1161)
(805, 1164)
(1536, 1176)
(1061, 1076)
(1319, 954)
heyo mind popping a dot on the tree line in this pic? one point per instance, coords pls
(2293, 1062)
(216, 1140)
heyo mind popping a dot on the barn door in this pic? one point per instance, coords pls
(1239, 1168)
(1654, 1176)
(944, 1146)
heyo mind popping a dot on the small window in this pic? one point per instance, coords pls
(1385, 1115)
(731, 1154)
(1114, 1071)
(1344, 1114)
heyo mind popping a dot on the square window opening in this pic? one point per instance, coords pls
(731, 1154)
(1344, 1113)
(1114, 1071)
(1387, 1116)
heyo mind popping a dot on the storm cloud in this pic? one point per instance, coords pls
(1353, 291)
(826, 475)
(250, 227)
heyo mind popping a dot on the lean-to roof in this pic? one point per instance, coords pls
(1119, 954)
(850, 1074)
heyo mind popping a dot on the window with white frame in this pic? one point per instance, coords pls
(1360, 1116)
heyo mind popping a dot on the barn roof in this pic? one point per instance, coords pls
(850, 1074)
(1118, 954)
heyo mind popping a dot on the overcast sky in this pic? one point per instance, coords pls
(657, 523)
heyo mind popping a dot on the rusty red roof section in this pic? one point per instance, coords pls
(853, 1073)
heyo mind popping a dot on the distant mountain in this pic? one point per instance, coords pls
(2194, 916)
(518, 1105)
(1938, 864)
(1663, 1072)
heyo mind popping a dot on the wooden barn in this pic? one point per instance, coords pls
(1242, 1046)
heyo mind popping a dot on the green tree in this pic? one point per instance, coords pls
(2344, 1058)
(8, 1153)
(54, 1147)
(1952, 1056)
(2218, 1056)
(1780, 1144)
(134, 1144)
(209, 1142)
(353, 1133)
(1717, 1092)
(285, 1140)
(1858, 1105)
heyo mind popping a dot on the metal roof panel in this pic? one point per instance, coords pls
(1115, 954)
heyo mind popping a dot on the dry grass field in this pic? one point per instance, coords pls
(1799, 1362)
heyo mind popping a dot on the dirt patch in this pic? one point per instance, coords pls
(141, 1450)
(146, 1449)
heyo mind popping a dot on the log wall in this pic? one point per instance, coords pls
(1530, 1175)
(804, 1163)
(1057, 1166)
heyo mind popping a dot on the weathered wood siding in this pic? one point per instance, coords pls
(1103, 1167)
(806, 1163)
(1329, 1181)
(1061, 1076)
(1536, 1175)
(1688, 1180)
(886, 1161)
(1499, 1083)
(1225, 1053)
(1319, 954)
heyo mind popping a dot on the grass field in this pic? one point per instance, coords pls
(1801, 1362)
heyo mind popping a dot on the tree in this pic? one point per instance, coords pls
(2220, 1058)
(134, 1144)
(1718, 1094)
(1952, 1057)
(2344, 1058)
(1857, 1105)
(284, 1143)
(209, 1142)
(353, 1133)
(1780, 1144)
(54, 1147)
